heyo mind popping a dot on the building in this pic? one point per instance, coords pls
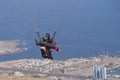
(99, 72)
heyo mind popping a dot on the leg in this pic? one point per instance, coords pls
(50, 55)
(43, 53)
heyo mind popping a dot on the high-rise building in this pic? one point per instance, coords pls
(99, 72)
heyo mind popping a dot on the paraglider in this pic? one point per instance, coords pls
(46, 44)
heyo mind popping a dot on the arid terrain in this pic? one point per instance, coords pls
(72, 69)
(3, 77)
(12, 46)
(45, 69)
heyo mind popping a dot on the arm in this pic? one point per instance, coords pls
(54, 35)
(37, 42)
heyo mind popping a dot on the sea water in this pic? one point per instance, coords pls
(84, 27)
(114, 72)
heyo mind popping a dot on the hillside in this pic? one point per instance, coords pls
(71, 69)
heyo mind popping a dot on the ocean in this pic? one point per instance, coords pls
(115, 72)
(84, 27)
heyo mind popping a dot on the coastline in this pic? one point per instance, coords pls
(12, 46)
(74, 68)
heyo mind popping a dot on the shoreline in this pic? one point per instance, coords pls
(11, 46)
(74, 67)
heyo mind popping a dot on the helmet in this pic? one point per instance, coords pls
(48, 34)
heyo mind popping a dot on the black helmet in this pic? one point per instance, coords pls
(48, 34)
